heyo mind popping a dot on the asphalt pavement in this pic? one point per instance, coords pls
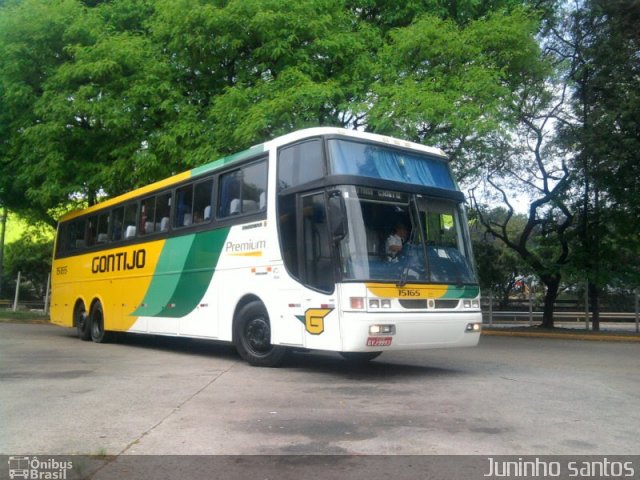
(154, 395)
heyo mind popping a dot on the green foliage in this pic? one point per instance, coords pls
(31, 255)
(100, 97)
(498, 266)
(451, 86)
(600, 46)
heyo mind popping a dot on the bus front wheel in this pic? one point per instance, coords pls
(81, 320)
(96, 317)
(252, 336)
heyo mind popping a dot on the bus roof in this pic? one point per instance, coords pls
(254, 151)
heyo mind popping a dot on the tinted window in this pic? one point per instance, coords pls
(243, 190)
(92, 231)
(103, 228)
(147, 216)
(76, 232)
(130, 215)
(184, 207)
(300, 163)
(163, 212)
(202, 202)
(117, 218)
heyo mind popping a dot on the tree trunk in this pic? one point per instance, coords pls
(594, 301)
(553, 286)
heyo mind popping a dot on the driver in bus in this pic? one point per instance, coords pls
(395, 241)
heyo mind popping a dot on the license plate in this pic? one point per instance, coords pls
(379, 341)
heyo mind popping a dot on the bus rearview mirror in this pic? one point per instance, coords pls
(337, 216)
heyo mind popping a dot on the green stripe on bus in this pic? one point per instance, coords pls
(166, 276)
(466, 291)
(236, 157)
(197, 273)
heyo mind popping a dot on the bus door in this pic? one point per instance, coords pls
(316, 264)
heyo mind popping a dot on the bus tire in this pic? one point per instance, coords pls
(359, 357)
(81, 321)
(98, 334)
(252, 336)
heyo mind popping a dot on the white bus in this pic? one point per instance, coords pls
(324, 239)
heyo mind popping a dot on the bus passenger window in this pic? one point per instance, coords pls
(243, 190)
(103, 228)
(117, 217)
(147, 215)
(92, 231)
(254, 185)
(184, 207)
(130, 214)
(300, 163)
(61, 242)
(76, 235)
(202, 202)
(163, 212)
(229, 191)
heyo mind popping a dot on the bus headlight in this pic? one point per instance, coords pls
(471, 303)
(473, 328)
(382, 329)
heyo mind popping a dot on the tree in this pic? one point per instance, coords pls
(499, 267)
(450, 85)
(84, 103)
(600, 45)
(528, 162)
(31, 255)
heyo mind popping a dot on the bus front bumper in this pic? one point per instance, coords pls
(366, 332)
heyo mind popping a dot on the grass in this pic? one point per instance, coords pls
(7, 315)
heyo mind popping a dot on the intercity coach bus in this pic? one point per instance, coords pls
(324, 239)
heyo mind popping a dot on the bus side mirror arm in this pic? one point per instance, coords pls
(337, 216)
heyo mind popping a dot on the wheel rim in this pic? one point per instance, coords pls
(258, 335)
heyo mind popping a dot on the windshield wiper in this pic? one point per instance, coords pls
(415, 227)
(407, 258)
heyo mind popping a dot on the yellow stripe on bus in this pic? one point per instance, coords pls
(127, 196)
(121, 276)
(415, 291)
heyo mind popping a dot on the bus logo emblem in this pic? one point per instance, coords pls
(313, 319)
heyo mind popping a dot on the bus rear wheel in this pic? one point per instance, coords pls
(81, 321)
(96, 317)
(252, 336)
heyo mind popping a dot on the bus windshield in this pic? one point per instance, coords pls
(386, 163)
(400, 237)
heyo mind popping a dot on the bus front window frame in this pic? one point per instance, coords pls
(373, 214)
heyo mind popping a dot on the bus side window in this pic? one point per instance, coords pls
(202, 202)
(76, 235)
(300, 163)
(147, 215)
(130, 220)
(117, 219)
(184, 207)
(103, 228)
(229, 191)
(163, 212)
(254, 187)
(92, 231)
(61, 243)
(243, 190)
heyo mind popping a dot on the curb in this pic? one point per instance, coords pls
(634, 338)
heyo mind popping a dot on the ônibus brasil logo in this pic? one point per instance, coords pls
(34, 468)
